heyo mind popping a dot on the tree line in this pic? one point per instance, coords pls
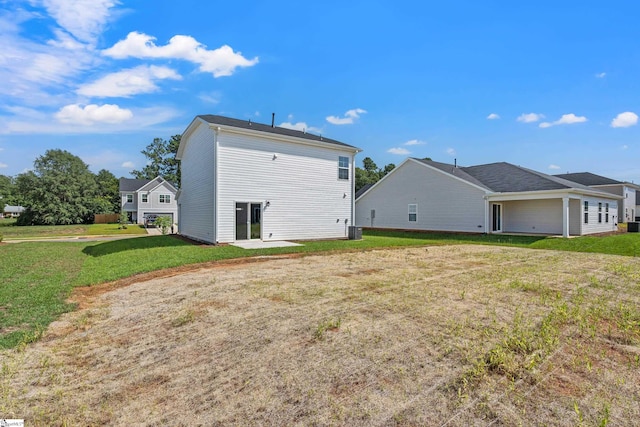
(62, 190)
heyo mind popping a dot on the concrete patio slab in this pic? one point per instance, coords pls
(259, 244)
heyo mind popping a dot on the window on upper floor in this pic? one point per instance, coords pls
(165, 198)
(343, 167)
(129, 198)
(145, 198)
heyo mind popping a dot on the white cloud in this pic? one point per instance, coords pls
(301, 126)
(530, 117)
(493, 116)
(29, 121)
(3, 165)
(624, 120)
(128, 165)
(451, 151)
(219, 62)
(84, 19)
(92, 113)
(554, 167)
(601, 75)
(399, 150)
(211, 97)
(348, 119)
(414, 142)
(566, 119)
(129, 82)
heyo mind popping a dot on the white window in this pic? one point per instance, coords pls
(586, 212)
(165, 198)
(145, 198)
(129, 198)
(413, 213)
(343, 167)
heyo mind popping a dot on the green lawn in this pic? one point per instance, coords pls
(37, 277)
(11, 231)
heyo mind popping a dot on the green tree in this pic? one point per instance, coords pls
(161, 155)
(370, 173)
(8, 194)
(108, 191)
(60, 190)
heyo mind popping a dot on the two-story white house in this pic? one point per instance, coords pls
(243, 180)
(142, 198)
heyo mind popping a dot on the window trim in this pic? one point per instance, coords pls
(606, 212)
(129, 198)
(144, 198)
(342, 170)
(164, 198)
(415, 214)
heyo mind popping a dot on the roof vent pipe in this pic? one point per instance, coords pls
(273, 119)
(455, 163)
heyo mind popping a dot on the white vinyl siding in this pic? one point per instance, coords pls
(593, 226)
(533, 216)
(197, 186)
(446, 203)
(305, 200)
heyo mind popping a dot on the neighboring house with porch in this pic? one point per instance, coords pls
(491, 198)
(627, 210)
(141, 198)
(12, 211)
(243, 180)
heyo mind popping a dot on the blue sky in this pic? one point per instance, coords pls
(552, 86)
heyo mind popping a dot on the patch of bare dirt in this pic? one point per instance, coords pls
(384, 337)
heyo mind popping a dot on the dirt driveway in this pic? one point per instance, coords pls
(385, 337)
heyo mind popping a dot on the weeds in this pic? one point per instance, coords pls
(327, 325)
(186, 317)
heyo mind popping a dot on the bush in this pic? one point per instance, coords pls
(164, 222)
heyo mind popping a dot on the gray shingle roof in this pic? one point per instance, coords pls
(588, 178)
(507, 178)
(247, 124)
(363, 190)
(453, 170)
(129, 184)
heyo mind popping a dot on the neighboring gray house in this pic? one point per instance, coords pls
(627, 210)
(12, 211)
(492, 198)
(243, 180)
(143, 197)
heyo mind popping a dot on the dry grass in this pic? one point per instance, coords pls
(459, 335)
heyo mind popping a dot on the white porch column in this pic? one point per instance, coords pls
(487, 230)
(565, 217)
